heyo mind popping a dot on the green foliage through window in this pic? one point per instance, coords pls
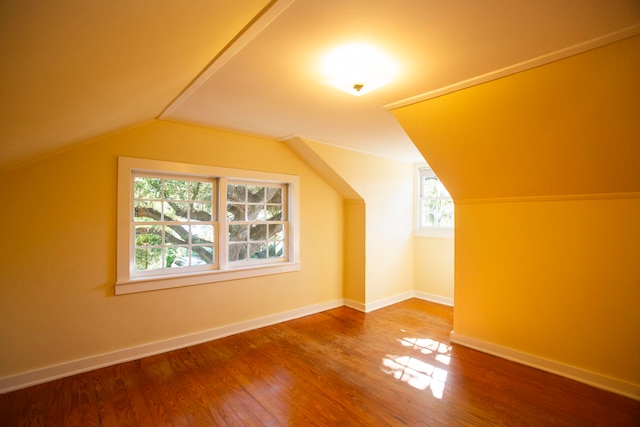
(174, 222)
(256, 222)
(436, 206)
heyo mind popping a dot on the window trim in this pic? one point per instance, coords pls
(437, 232)
(126, 284)
(224, 223)
(133, 224)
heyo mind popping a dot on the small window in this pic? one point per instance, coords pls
(171, 232)
(435, 207)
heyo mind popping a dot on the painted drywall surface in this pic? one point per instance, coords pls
(82, 69)
(434, 266)
(354, 219)
(387, 189)
(556, 276)
(300, 147)
(57, 298)
(355, 251)
(560, 280)
(569, 127)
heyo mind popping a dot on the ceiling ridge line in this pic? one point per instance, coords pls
(247, 34)
(528, 64)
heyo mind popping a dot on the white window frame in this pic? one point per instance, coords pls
(127, 282)
(225, 223)
(162, 222)
(438, 232)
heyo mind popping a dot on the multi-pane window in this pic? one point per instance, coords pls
(256, 222)
(174, 223)
(183, 224)
(435, 203)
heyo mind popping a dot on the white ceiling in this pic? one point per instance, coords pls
(272, 86)
(75, 70)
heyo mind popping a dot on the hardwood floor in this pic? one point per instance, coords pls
(393, 367)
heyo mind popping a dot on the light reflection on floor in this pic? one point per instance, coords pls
(426, 371)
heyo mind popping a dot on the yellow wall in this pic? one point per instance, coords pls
(387, 189)
(556, 279)
(433, 267)
(567, 128)
(543, 166)
(354, 225)
(57, 298)
(433, 257)
(355, 251)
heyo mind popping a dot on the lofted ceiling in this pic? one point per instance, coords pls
(77, 70)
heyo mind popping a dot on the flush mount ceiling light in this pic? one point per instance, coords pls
(358, 69)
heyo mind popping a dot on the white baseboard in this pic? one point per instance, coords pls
(434, 298)
(42, 375)
(355, 305)
(49, 373)
(375, 305)
(381, 303)
(587, 377)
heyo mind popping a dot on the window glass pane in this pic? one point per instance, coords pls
(274, 213)
(258, 250)
(147, 211)
(148, 235)
(176, 234)
(437, 213)
(201, 191)
(237, 252)
(441, 190)
(429, 217)
(258, 232)
(176, 257)
(201, 234)
(175, 189)
(274, 195)
(201, 255)
(235, 212)
(446, 219)
(175, 211)
(432, 187)
(256, 213)
(179, 262)
(276, 232)
(255, 194)
(436, 205)
(276, 249)
(429, 184)
(148, 259)
(238, 232)
(147, 188)
(201, 211)
(236, 193)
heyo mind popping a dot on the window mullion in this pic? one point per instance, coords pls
(222, 244)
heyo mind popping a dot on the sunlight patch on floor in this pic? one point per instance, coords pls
(425, 370)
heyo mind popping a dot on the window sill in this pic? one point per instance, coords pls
(144, 284)
(437, 232)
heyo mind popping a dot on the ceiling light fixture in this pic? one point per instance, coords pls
(358, 68)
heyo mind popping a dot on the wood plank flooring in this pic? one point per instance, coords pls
(391, 367)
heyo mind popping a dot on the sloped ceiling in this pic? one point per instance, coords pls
(570, 128)
(75, 70)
